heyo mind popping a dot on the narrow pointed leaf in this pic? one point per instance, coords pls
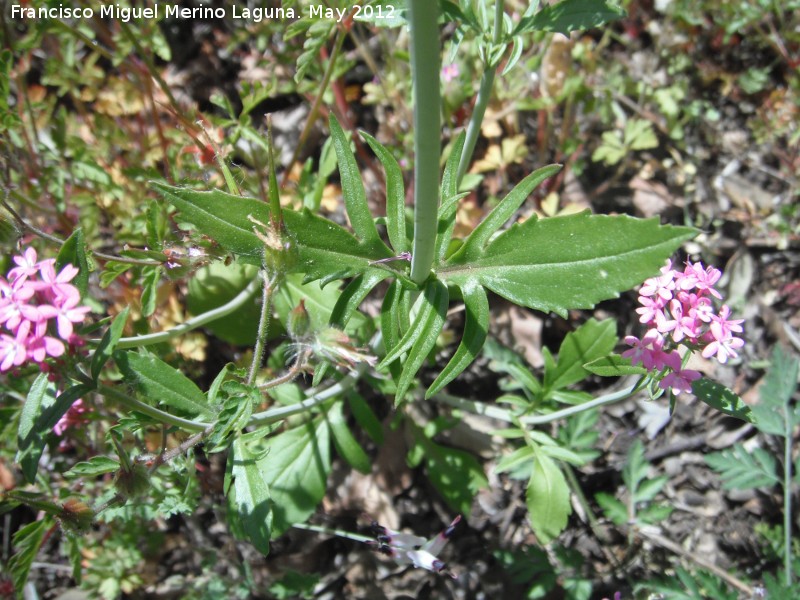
(724, 400)
(476, 328)
(40, 413)
(353, 295)
(108, 343)
(163, 384)
(477, 240)
(449, 193)
(395, 196)
(221, 216)
(429, 330)
(327, 251)
(355, 200)
(428, 305)
(345, 443)
(570, 262)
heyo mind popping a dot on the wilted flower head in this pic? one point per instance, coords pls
(337, 347)
(33, 298)
(678, 308)
(408, 549)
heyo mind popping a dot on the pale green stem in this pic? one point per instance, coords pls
(787, 498)
(424, 31)
(207, 317)
(482, 101)
(502, 414)
(150, 411)
(315, 398)
(263, 326)
(337, 532)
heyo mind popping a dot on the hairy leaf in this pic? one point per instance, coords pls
(165, 385)
(395, 196)
(563, 263)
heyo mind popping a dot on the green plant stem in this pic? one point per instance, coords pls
(482, 101)
(263, 326)
(502, 414)
(337, 532)
(314, 399)
(787, 497)
(207, 317)
(150, 411)
(424, 31)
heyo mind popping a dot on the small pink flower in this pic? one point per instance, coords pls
(26, 266)
(74, 417)
(14, 350)
(58, 286)
(450, 72)
(68, 313)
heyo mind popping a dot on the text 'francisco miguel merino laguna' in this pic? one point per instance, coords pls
(171, 11)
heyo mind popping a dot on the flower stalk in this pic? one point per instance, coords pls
(424, 32)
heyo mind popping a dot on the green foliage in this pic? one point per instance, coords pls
(741, 469)
(42, 410)
(456, 474)
(249, 496)
(571, 15)
(637, 135)
(162, 384)
(27, 540)
(691, 586)
(639, 507)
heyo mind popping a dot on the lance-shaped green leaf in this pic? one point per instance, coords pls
(27, 541)
(296, 466)
(724, 400)
(345, 443)
(327, 251)
(427, 329)
(249, 496)
(355, 199)
(425, 307)
(547, 498)
(614, 365)
(73, 251)
(221, 216)
(108, 344)
(571, 15)
(159, 382)
(449, 198)
(563, 263)
(476, 241)
(395, 196)
(40, 413)
(353, 295)
(476, 328)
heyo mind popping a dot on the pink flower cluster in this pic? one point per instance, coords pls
(32, 298)
(679, 310)
(74, 417)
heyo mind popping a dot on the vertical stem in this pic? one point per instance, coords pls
(787, 498)
(482, 101)
(263, 326)
(427, 132)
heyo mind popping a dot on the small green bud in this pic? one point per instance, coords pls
(298, 323)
